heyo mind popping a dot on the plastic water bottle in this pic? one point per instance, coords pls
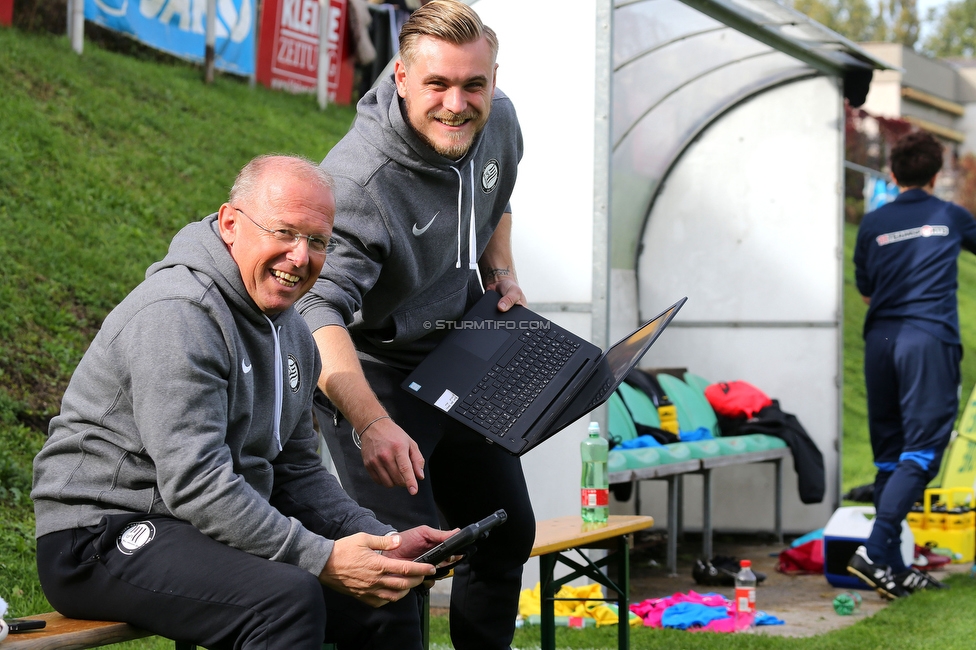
(745, 596)
(594, 485)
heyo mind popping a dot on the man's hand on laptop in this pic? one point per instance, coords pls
(510, 291)
(392, 457)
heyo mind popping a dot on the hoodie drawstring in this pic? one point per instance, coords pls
(472, 235)
(279, 382)
(472, 232)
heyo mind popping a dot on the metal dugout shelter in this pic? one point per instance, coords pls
(694, 149)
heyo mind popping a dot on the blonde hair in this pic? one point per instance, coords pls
(446, 20)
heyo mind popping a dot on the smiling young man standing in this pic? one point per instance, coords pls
(180, 489)
(423, 223)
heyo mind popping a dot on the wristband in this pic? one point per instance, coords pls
(365, 428)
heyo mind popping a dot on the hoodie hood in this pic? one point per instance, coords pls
(381, 111)
(190, 402)
(199, 247)
(410, 227)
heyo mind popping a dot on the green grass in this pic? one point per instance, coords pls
(104, 157)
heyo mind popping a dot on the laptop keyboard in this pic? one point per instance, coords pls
(519, 376)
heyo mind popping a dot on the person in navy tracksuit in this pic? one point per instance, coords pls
(906, 270)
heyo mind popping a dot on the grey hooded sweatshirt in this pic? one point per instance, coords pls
(410, 227)
(191, 402)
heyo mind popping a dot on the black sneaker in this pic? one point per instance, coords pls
(913, 579)
(706, 573)
(720, 571)
(877, 576)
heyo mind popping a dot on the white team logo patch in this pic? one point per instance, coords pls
(489, 176)
(294, 376)
(135, 536)
(912, 233)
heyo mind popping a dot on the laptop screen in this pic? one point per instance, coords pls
(624, 355)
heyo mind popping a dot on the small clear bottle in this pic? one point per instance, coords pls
(594, 485)
(745, 597)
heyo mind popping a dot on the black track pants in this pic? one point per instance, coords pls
(163, 575)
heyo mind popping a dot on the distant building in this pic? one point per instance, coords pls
(936, 95)
(930, 93)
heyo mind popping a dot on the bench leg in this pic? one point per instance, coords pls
(623, 596)
(707, 513)
(673, 526)
(618, 559)
(680, 511)
(778, 463)
(547, 566)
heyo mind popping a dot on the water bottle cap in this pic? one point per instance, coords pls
(745, 563)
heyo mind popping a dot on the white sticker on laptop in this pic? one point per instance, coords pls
(414, 386)
(446, 401)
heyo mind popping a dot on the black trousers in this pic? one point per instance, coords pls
(163, 575)
(466, 480)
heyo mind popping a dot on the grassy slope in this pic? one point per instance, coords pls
(103, 158)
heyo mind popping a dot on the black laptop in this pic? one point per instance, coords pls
(517, 378)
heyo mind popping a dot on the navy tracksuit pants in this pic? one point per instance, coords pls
(913, 383)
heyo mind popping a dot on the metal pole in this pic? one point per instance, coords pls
(322, 77)
(208, 57)
(77, 30)
(256, 31)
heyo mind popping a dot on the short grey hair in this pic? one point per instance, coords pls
(301, 167)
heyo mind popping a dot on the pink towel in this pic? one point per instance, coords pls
(652, 609)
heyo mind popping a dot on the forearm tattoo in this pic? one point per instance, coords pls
(493, 275)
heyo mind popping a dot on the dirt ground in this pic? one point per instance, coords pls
(803, 602)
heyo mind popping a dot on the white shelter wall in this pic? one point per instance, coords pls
(552, 207)
(747, 225)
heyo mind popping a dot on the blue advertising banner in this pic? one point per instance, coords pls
(179, 28)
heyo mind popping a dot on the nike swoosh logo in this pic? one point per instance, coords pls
(246, 367)
(417, 232)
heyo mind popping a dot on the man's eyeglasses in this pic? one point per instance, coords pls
(316, 245)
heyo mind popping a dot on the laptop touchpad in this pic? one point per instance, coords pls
(484, 342)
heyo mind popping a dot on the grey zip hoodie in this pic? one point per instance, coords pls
(191, 402)
(410, 227)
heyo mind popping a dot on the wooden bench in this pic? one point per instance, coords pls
(73, 634)
(556, 538)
